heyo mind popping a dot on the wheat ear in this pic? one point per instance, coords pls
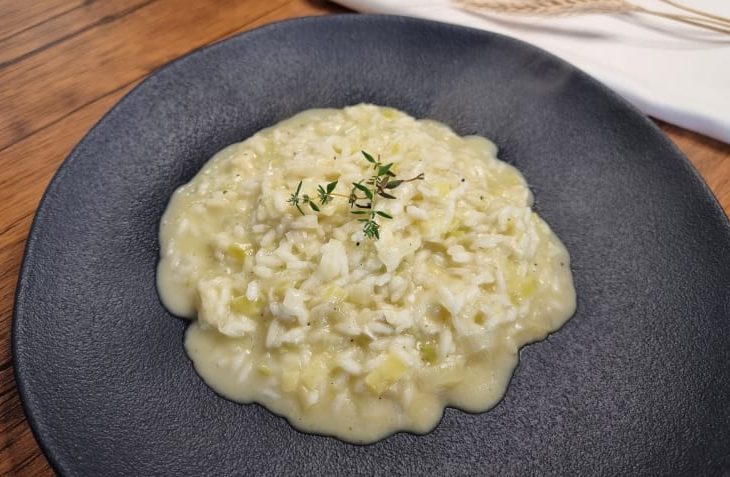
(549, 7)
(573, 7)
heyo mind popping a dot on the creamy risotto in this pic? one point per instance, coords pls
(354, 336)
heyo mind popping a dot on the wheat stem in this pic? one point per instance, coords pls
(719, 18)
(691, 20)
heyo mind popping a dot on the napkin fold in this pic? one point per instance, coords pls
(674, 72)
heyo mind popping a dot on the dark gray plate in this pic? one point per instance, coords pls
(637, 382)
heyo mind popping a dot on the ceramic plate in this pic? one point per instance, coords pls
(637, 382)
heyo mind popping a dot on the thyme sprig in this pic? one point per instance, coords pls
(363, 196)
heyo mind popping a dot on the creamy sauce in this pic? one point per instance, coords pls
(341, 334)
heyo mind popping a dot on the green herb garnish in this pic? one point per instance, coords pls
(363, 196)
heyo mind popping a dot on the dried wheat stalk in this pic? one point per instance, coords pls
(572, 7)
(549, 7)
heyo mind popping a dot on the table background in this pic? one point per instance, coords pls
(64, 63)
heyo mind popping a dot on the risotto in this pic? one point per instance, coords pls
(350, 335)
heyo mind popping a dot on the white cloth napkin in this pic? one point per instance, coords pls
(674, 72)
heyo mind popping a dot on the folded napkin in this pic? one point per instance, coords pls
(671, 71)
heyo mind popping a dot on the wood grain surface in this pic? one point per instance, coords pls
(64, 63)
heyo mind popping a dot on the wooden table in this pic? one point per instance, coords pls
(64, 63)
